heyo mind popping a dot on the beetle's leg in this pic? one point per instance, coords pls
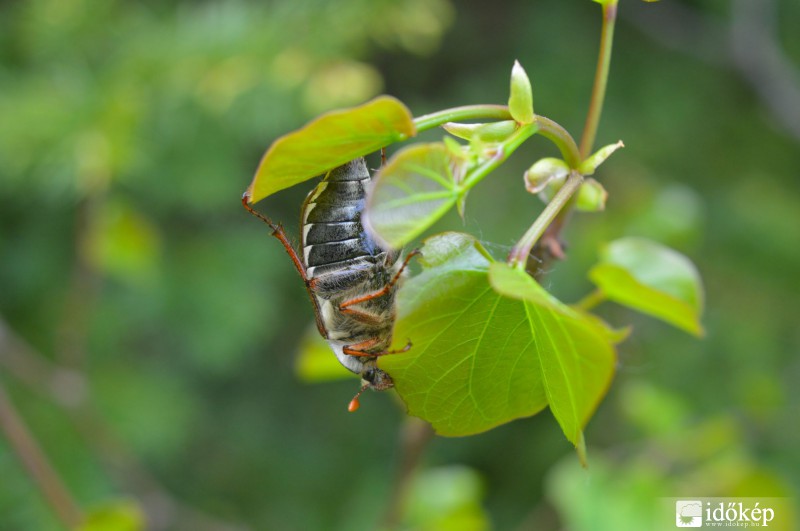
(358, 349)
(330, 283)
(397, 351)
(384, 290)
(278, 232)
(364, 317)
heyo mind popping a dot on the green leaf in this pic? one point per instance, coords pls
(446, 498)
(520, 101)
(652, 279)
(121, 515)
(615, 496)
(413, 190)
(329, 141)
(482, 356)
(470, 368)
(316, 361)
(450, 246)
(122, 243)
(575, 353)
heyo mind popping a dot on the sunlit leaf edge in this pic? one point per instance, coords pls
(617, 283)
(619, 252)
(297, 147)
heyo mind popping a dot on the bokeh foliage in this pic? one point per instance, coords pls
(128, 131)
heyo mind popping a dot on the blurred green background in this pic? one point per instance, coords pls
(149, 327)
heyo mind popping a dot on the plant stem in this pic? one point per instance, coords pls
(467, 112)
(550, 246)
(39, 468)
(600, 78)
(519, 254)
(591, 300)
(414, 438)
(68, 390)
(546, 127)
(561, 138)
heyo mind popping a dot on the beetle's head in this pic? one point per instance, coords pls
(374, 378)
(371, 378)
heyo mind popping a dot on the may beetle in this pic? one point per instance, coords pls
(352, 281)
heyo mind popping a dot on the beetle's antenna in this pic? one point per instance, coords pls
(354, 403)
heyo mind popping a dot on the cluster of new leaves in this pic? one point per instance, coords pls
(490, 344)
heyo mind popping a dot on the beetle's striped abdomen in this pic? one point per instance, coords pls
(333, 237)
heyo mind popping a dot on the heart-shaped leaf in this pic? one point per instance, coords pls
(652, 279)
(329, 141)
(484, 354)
(575, 353)
(411, 191)
(470, 367)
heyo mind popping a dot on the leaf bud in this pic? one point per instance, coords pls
(591, 196)
(464, 131)
(520, 100)
(588, 166)
(496, 131)
(544, 173)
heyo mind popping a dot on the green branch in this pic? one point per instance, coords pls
(561, 138)
(546, 127)
(456, 114)
(505, 149)
(519, 254)
(553, 230)
(591, 300)
(35, 462)
(600, 78)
